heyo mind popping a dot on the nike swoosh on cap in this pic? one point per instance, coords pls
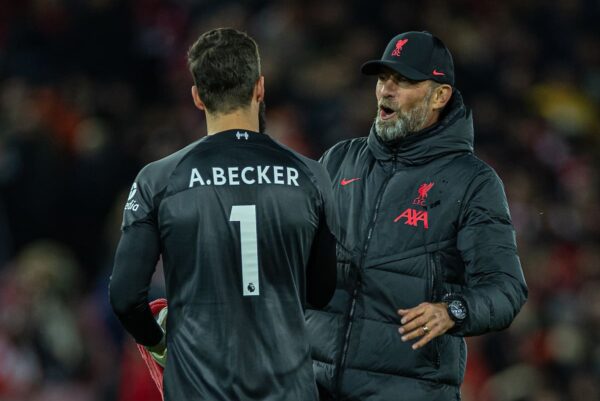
(436, 72)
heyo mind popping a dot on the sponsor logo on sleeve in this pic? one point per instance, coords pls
(131, 203)
(132, 191)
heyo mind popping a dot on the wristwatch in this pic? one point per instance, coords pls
(457, 308)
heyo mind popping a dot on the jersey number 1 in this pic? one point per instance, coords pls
(246, 215)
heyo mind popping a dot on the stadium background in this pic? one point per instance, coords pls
(91, 90)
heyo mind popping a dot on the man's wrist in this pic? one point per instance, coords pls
(160, 347)
(456, 307)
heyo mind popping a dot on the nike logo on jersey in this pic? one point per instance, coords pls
(345, 182)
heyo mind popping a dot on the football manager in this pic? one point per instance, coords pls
(429, 256)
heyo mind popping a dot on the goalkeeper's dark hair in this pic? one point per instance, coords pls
(225, 66)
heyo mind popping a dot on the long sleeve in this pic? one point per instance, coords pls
(495, 287)
(321, 270)
(135, 262)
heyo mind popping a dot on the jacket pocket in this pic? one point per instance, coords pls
(435, 285)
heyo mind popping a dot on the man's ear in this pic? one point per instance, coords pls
(259, 89)
(441, 96)
(197, 101)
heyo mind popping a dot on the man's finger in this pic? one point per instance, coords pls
(402, 312)
(410, 314)
(414, 324)
(423, 341)
(435, 331)
(411, 335)
(416, 331)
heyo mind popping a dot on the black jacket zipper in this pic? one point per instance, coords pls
(350, 318)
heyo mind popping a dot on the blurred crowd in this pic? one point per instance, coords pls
(92, 90)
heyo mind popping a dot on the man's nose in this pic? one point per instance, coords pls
(387, 88)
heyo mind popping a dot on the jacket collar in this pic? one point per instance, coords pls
(453, 133)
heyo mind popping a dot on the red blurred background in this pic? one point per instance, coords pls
(91, 90)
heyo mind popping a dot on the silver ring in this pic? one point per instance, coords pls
(426, 329)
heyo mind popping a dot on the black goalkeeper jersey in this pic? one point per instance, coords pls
(244, 227)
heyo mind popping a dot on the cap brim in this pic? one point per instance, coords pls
(374, 67)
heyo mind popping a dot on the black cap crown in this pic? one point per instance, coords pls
(417, 56)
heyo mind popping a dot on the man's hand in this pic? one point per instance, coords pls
(159, 351)
(426, 320)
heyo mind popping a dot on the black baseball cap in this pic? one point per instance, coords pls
(417, 56)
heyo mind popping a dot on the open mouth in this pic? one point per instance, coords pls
(385, 113)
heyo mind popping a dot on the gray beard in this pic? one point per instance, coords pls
(406, 123)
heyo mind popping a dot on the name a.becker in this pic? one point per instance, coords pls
(249, 175)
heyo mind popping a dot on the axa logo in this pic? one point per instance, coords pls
(399, 45)
(413, 217)
(422, 193)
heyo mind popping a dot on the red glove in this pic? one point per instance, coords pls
(156, 371)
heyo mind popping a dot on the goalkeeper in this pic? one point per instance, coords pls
(245, 228)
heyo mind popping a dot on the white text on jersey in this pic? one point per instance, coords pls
(278, 175)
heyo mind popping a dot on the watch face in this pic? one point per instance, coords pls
(457, 309)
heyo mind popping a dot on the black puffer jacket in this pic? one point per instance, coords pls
(419, 220)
